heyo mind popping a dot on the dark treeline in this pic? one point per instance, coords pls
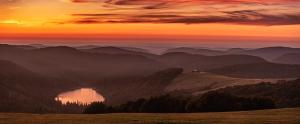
(209, 102)
(283, 93)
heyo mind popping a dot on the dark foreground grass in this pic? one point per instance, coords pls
(275, 116)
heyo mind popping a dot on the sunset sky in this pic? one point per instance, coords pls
(195, 21)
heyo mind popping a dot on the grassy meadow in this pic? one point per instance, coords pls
(200, 82)
(275, 116)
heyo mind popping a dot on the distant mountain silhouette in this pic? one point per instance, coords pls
(83, 47)
(193, 61)
(119, 50)
(259, 70)
(268, 53)
(290, 58)
(38, 45)
(200, 51)
(27, 47)
(135, 49)
(234, 50)
(58, 49)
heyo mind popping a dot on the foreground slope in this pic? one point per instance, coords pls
(283, 93)
(24, 91)
(198, 82)
(275, 116)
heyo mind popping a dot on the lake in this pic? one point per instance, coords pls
(80, 96)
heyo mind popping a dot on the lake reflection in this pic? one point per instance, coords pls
(80, 96)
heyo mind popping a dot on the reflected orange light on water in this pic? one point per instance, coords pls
(80, 96)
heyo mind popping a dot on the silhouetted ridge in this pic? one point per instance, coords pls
(200, 51)
(259, 70)
(58, 49)
(193, 61)
(290, 58)
(270, 53)
(11, 69)
(119, 51)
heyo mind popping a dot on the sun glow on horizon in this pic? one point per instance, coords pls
(56, 18)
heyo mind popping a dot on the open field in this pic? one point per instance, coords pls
(201, 82)
(276, 116)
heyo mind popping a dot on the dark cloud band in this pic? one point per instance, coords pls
(237, 17)
(252, 12)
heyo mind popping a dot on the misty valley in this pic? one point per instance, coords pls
(110, 79)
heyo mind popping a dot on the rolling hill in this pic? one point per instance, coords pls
(120, 50)
(71, 63)
(201, 51)
(290, 58)
(268, 53)
(121, 90)
(194, 61)
(259, 70)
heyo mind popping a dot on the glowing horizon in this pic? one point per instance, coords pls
(145, 19)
